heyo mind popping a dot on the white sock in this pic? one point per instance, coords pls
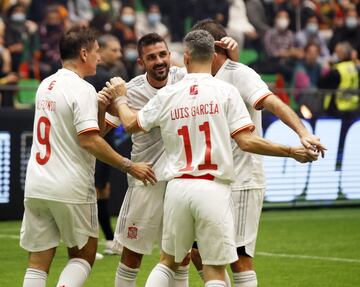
(245, 279)
(181, 277)
(35, 278)
(160, 276)
(125, 276)
(75, 273)
(227, 278)
(215, 283)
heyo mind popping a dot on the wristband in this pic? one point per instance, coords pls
(127, 163)
(120, 100)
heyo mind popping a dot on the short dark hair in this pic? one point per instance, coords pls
(149, 39)
(214, 28)
(103, 40)
(76, 39)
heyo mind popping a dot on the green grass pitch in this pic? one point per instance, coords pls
(312, 248)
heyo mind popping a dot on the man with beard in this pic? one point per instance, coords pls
(139, 223)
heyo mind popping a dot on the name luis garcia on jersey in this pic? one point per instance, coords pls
(194, 111)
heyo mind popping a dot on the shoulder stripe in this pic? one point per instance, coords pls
(249, 126)
(88, 130)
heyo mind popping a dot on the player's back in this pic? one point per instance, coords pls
(59, 168)
(196, 117)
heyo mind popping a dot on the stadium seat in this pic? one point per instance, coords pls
(27, 91)
(248, 56)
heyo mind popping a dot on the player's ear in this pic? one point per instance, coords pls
(83, 55)
(186, 59)
(140, 62)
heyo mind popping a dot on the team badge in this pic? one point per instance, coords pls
(132, 232)
(194, 90)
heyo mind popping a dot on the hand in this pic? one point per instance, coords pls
(112, 109)
(231, 46)
(103, 100)
(143, 171)
(313, 143)
(303, 155)
(117, 87)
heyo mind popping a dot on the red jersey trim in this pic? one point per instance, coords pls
(249, 126)
(139, 125)
(88, 130)
(255, 106)
(207, 176)
(110, 123)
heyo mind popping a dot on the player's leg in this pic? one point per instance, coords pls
(181, 277)
(39, 235)
(247, 211)
(178, 235)
(138, 228)
(214, 230)
(79, 230)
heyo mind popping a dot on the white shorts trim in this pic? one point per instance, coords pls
(247, 210)
(139, 224)
(45, 222)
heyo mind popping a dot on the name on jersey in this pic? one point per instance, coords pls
(193, 111)
(46, 105)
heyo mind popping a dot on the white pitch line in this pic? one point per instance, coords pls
(337, 259)
(8, 236)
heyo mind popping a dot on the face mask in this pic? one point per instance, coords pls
(282, 23)
(130, 55)
(128, 20)
(351, 22)
(312, 28)
(18, 17)
(153, 18)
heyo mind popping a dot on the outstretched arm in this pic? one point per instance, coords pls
(250, 142)
(290, 118)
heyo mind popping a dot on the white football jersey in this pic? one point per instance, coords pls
(249, 170)
(196, 117)
(59, 168)
(147, 147)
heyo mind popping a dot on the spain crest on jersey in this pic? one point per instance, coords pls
(132, 232)
(193, 90)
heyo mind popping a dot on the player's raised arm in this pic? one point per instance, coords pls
(98, 147)
(250, 142)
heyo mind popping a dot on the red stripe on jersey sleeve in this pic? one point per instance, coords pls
(256, 105)
(249, 126)
(88, 130)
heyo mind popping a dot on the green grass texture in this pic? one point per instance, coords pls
(295, 248)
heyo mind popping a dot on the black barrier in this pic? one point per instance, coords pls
(331, 181)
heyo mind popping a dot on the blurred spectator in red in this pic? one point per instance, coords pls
(124, 26)
(343, 76)
(50, 33)
(21, 36)
(311, 34)
(279, 48)
(348, 32)
(150, 22)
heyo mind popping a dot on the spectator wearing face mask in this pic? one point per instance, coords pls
(279, 48)
(348, 32)
(310, 34)
(124, 26)
(150, 22)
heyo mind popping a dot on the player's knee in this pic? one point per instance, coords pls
(244, 262)
(130, 258)
(88, 252)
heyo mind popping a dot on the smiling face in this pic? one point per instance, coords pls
(155, 58)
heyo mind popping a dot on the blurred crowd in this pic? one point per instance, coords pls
(310, 44)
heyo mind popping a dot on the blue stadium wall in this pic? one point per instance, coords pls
(332, 181)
